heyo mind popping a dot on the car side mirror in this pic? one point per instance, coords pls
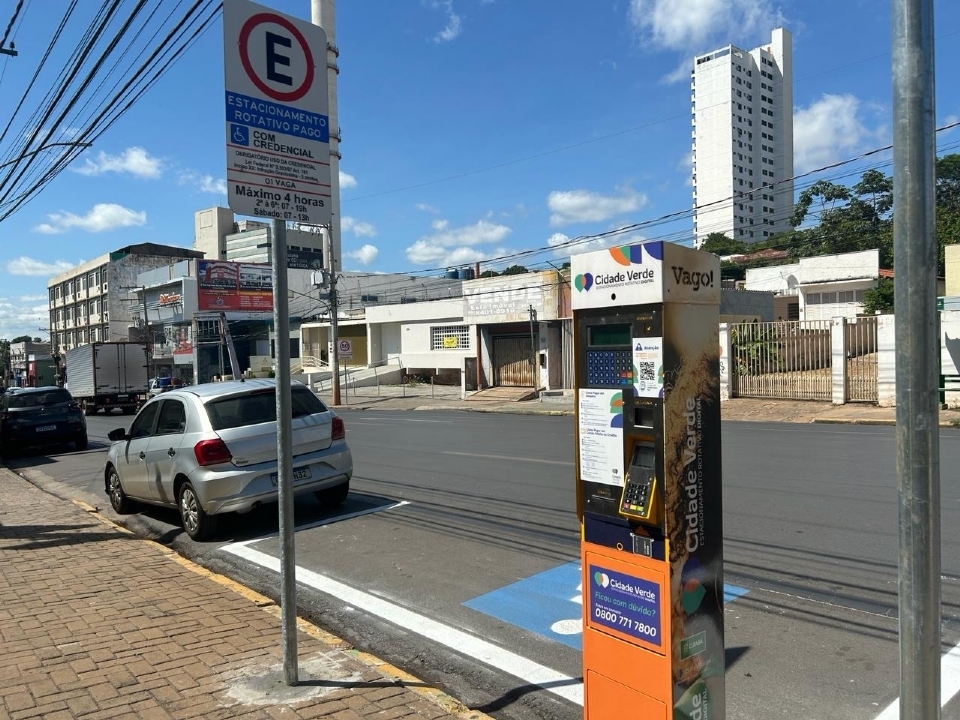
(118, 434)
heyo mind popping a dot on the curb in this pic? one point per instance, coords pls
(445, 702)
(500, 410)
(843, 421)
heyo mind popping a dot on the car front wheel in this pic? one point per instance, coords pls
(119, 501)
(196, 522)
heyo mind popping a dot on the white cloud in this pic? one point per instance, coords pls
(203, 183)
(357, 227)
(576, 206)
(347, 180)
(424, 254)
(828, 130)
(31, 298)
(454, 246)
(21, 318)
(365, 254)
(452, 29)
(424, 207)
(134, 160)
(28, 266)
(103, 216)
(563, 249)
(693, 26)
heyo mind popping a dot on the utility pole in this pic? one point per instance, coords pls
(533, 353)
(334, 318)
(917, 352)
(322, 13)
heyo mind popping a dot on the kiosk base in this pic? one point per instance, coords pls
(626, 643)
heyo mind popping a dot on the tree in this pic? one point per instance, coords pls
(515, 270)
(880, 298)
(22, 338)
(489, 274)
(720, 244)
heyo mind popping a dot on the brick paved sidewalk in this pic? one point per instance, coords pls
(96, 623)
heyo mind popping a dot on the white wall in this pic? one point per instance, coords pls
(774, 278)
(833, 299)
(416, 352)
(390, 339)
(835, 268)
(435, 310)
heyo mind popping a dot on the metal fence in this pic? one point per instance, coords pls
(787, 360)
(860, 338)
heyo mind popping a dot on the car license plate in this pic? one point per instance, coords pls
(46, 428)
(298, 474)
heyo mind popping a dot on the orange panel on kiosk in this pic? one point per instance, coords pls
(646, 341)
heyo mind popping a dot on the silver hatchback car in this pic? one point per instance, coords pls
(212, 449)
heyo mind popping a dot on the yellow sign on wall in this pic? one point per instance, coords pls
(450, 342)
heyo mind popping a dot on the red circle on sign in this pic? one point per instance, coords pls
(245, 31)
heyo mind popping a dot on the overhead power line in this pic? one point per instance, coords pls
(13, 19)
(82, 110)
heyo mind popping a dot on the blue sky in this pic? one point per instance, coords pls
(471, 128)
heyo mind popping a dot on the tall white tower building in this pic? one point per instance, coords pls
(742, 106)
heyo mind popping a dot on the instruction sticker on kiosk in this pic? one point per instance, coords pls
(648, 367)
(626, 604)
(601, 436)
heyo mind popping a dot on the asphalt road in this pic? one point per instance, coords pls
(460, 541)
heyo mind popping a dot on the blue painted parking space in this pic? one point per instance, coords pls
(550, 604)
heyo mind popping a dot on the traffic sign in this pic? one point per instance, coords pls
(277, 127)
(345, 349)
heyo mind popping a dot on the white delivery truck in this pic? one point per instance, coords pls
(103, 376)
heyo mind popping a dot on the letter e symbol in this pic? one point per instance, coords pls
(274, 58)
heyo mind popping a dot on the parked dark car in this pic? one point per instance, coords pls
(36, 417)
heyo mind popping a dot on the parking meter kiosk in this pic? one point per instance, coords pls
(647, 354)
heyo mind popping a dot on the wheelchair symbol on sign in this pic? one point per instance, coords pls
(240, 134)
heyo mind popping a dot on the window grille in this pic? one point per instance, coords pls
(450, 337)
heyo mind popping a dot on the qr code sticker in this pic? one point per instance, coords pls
(646, 371)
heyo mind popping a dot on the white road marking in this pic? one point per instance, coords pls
(949, 684)
(516, 665)
(506, 457)
(321, 523)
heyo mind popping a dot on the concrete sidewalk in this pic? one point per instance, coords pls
(96, 623)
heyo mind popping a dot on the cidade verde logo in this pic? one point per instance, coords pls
(601, 579)
(628, 255)
(583, 282)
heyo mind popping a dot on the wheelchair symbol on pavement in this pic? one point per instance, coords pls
(239, 134)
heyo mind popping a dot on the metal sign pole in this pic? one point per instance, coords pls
(917, 353)
(281, 328)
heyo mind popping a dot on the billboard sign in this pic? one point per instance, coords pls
(234, 287)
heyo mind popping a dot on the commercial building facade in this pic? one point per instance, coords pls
(742, 159)
(97, 300)
(219, 236)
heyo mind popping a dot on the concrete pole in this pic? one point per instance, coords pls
(917, 352)
(322, 14)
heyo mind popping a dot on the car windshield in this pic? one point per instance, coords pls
(259, 407)
(39, 399)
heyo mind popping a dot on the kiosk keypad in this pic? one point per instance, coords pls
(609, 367)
